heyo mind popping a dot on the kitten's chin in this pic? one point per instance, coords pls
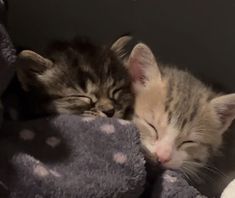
(153, 160)
(166, 166)
(172, 166)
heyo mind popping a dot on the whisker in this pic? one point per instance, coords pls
(209, 167)
(185, 174)
(191, 171)
(213, 169)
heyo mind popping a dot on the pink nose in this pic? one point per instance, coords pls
(163, 159)
(163, 154)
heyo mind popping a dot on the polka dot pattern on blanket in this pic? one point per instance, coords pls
(53, 141)
(120, 158)
(107, 128)
(88, 119)
(40, 171)
(27, 135)
(66, 154)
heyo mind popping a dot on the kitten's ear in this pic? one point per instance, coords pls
(29, 65)
(119, 46)
(224, 107)
(143, 66)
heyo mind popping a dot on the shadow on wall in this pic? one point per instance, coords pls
(198, 35)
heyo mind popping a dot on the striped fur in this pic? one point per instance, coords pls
(77, 77)
(181, 120)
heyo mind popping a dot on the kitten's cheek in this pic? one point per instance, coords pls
(118, 114)
(177, 160)
(144, 131)
(200, 154)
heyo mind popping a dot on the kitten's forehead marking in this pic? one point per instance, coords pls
(169, 136)
(49, 74)
(169, 95)
(117, 84)
(87, 68)
(90, 87)
(184, 99)
(109, 82)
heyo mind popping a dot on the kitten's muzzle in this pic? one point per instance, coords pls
(105, 106)
(109, 112)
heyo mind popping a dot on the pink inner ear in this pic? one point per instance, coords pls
(136, 71)
(226, 114)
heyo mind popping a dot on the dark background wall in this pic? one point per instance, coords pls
(194, 34)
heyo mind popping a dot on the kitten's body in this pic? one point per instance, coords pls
(181, 120)
(76, 77)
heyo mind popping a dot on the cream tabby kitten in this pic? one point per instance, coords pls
(182, 122)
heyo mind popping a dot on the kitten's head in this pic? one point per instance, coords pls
(181, 121)
(77, 77)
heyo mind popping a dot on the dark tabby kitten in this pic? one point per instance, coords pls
(76, 77)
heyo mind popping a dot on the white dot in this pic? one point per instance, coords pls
(40, 171)
(53, 141)
(55, 173)
(27, 134)
(13, 114)
(120, 158)
(170, 178)
(107, 128)
(123, 122)
(88, 119)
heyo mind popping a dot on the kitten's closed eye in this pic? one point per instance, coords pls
(114, 95)
(153, 127)
(187, 143)
(84, 98)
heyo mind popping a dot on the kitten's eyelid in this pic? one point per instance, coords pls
(187, 142)
(114, 92)
(117, 90)
(82, 96)
(152, 126)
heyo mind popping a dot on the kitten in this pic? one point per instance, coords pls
(181, 120)
(76, 77)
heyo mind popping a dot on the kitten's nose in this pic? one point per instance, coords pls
(109, 112)
(163, 160)
(163, 154)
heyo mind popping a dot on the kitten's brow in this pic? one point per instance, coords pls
(193, 114)
(169, 96)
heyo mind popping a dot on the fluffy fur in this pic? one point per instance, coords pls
(77, 77)
(181, 120)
